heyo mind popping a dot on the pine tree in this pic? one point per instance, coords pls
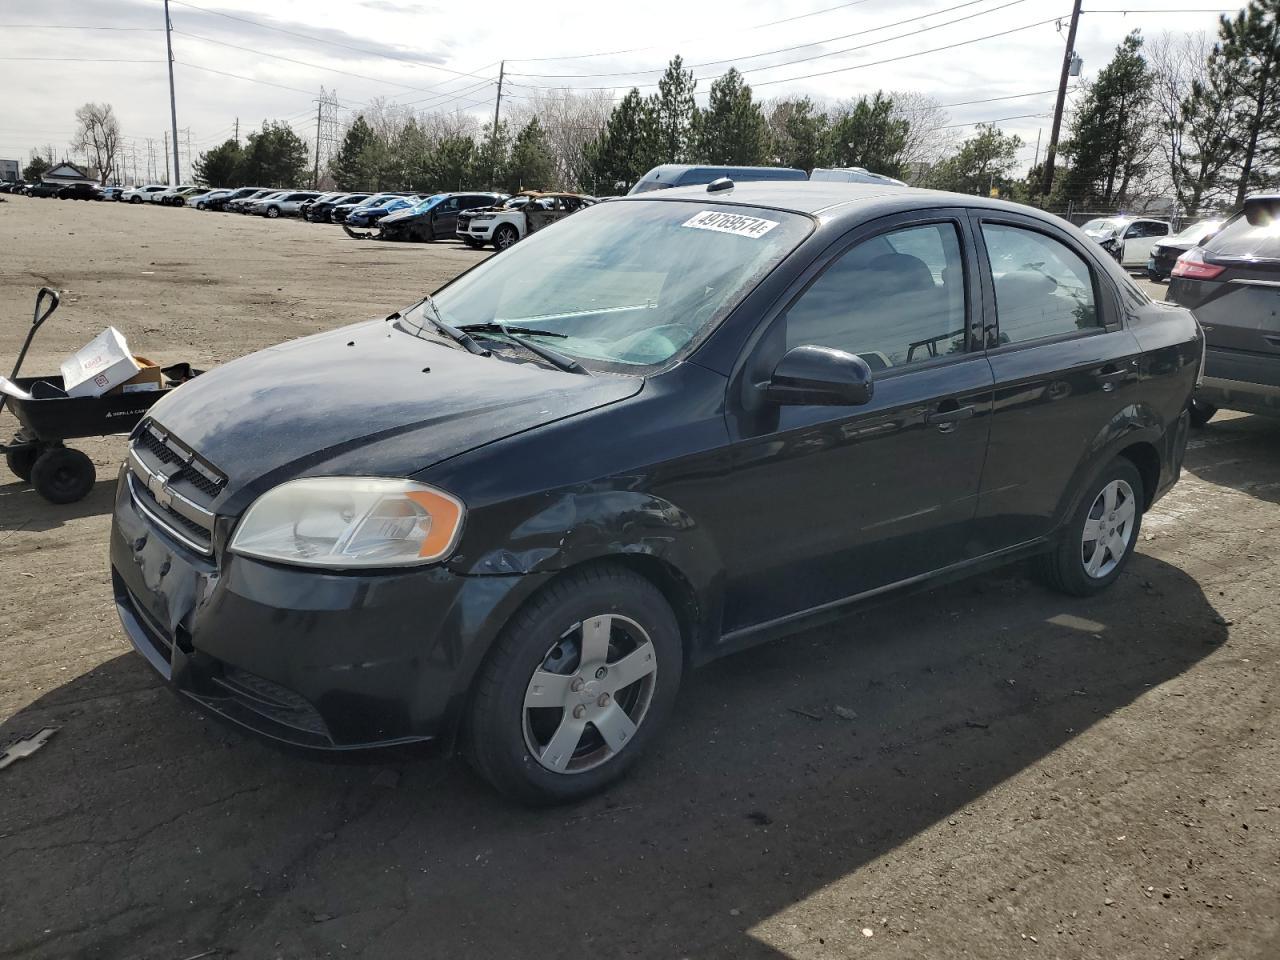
(674, 114)
(34, 170)
(221, 166)
(350, 168)
(1113, 133)
(624, 150)
(275, 156)
(798, 132)
(983, 161)
(1250, 47)
(868, 134)
(410, 156)
(489, 162)
(451, 162)
(732, 130)
(530, 166)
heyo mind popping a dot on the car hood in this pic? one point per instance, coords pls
(406, 214)
(366, 400)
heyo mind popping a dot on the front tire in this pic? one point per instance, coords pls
(273, 212)
(577, 686)
(1096, 545)
(135, 199)
(1200, 413)
(505, 237)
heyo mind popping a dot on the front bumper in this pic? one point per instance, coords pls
(479, 231)
(324, 660)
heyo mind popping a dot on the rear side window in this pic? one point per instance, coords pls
(1240, 239)
(1043, 287)
(894, 300)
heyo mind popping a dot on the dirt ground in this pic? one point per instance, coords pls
(984, 770)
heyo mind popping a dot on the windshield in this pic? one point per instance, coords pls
(428, 203)
(1103, 226)
(1198, 231)
(627, 283)
(1242, 240)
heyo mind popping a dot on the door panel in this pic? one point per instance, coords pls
(1063, 367)
(832, 501)
(835, 502)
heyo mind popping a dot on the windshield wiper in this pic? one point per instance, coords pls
(554, 357)
(497, 327)
(450, 331)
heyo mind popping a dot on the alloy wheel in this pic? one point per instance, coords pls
(1108, 529)
(590, 694)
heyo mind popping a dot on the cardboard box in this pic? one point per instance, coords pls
(104, 362)
(147, 378)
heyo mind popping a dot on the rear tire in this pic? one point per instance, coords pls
(1200, 413)
(1096, 544)
(577, 635)
(63, 475)
(22, 460)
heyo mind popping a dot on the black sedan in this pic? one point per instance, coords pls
(79, 191)
(322, 210)
(1232, 285)
(675, 426)
(1165, 252)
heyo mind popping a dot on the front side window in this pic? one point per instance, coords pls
(629, 283)
(894, 300)
(1043, 287)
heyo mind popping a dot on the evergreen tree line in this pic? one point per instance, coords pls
(1192, 119)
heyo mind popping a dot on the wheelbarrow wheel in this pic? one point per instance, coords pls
(63, 475)
(21, 460)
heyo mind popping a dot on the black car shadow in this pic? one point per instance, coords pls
(1239, 452)
(21, 508)
(785, 768)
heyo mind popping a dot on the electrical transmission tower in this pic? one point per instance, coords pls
(328, 132)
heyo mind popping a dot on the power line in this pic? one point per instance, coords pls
(73, 26)
(758, 26)
(301, 63)
(75, 60)
(333, 43)
(823, 73)
(812, 43)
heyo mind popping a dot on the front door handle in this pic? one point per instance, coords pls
(948, 414)
(1111, 375)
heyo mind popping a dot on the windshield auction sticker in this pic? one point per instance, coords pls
(734, 223)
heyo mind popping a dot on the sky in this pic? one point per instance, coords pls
(269, 60)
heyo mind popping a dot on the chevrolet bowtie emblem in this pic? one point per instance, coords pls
(158, 484)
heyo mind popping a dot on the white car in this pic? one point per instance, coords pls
(283, 204)
(1128, 239)
(165, 197)
(509, 224)
(143, 194)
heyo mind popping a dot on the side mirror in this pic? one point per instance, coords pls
(811, 375)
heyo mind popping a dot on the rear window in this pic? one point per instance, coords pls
(1241, 240)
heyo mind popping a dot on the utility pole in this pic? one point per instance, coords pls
(173, 103)
(237, 131)
(497, 105)
(1035, 163)
(315, 173)
(1047, 180)
(188, 131)
(173, 182)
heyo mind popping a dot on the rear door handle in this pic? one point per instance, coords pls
(949, 415)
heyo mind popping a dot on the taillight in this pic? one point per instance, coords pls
(1192, 266)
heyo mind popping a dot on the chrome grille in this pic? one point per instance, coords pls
(172, 486)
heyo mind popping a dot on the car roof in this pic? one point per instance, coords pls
(829, 200)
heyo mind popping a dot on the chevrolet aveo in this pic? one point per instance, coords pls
(513, 514)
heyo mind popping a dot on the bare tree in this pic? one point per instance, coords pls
(929, 142)
(569, 119)
(98, 137)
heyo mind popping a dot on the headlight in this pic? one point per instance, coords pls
(350, 522)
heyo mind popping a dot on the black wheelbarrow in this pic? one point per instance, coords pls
(38, 453)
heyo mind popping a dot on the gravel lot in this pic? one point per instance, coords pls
(985, 770)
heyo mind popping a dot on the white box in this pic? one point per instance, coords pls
(103, 363)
